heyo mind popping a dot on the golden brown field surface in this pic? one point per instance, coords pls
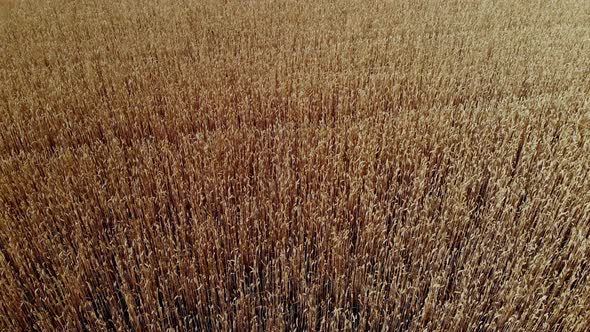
(402, 165)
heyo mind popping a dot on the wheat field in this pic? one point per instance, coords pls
(280, 165)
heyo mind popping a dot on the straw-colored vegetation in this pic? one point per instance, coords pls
(295, 165)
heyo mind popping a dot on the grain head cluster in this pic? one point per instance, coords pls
(382, 165)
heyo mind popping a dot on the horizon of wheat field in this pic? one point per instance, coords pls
(281, 165)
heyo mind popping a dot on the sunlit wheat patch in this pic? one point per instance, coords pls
(294, 165)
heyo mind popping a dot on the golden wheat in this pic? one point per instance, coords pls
(295, 165)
